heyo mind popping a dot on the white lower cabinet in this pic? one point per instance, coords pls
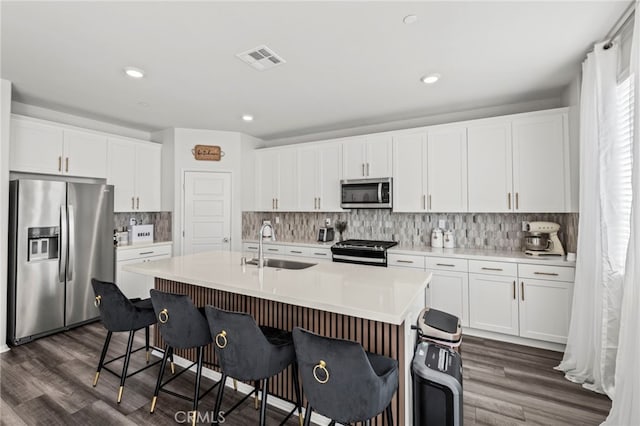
(448, 291)
(132, 284)
(493, 298)
(270, 249)
(545, 304)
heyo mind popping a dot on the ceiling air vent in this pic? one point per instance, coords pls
(261, 58)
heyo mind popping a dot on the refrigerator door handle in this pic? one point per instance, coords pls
(62, 249)
(72, 231)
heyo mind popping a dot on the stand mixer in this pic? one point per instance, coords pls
(542, 239)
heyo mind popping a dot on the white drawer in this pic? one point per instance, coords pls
(128, 253)
(545, 272)
(252, 247)
(405, 260)
(446, 264)
(493, 268)
(271, 249)
(319, 253)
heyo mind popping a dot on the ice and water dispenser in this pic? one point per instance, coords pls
(43, 243)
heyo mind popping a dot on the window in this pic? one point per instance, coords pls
(623, 159)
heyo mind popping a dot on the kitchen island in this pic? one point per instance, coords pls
(371, 305)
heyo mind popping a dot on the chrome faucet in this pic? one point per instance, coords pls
(260, 238)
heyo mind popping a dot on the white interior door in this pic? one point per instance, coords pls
(207, 212)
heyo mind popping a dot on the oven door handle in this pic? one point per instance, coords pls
(379, 192)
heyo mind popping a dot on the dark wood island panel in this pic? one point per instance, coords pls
(375, 336)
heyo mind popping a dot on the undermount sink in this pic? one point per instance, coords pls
(282, 264)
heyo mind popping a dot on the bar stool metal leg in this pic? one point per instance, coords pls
(389, 414)
(223, 380)
(307, 415)
(296, 388)
(146, 342)
(125, 367)
(196, 392)
(105, 348)
(167, 351)
(256, 403)
(263, 407)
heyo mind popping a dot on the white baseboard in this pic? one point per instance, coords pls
(4, 348)
(245, 389)
(558, 347)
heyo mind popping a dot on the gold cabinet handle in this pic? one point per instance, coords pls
(404, 261)
(277, 200)
(367, 169)
(508, 201)
(445, 264)
(66, 164)
(491, 269)
(138, 203)
(319, 203)
(517, 201)
(522, 290)
(221, 337)
(429, 201)
(363, 170)
(133, 203)
(514, 289)
(59, 163)
(321, 366)
(98, 301)
(163, 316)
(424, 202)
(551, 274)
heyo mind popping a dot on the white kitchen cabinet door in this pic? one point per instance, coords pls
(134, 171)
(329, 176)
(540, 172)
(308, 177)
(287, 199)
(36, 147)
(493, 303)
(378, 156)
(121, 173)
(409, 174)
(447, 169)
(489, 167)
(266, 176)
(148, 166)
(132, 284)
(449, 292)
(545, 309)
(85, 154)
(354, 158)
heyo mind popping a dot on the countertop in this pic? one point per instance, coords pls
(143, 245)
(380, 294)
(461, 253)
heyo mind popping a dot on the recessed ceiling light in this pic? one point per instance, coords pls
(247, 117)
(410, 19)
(134, 72)
(430, 78)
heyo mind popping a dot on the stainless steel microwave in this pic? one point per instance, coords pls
(366, 193)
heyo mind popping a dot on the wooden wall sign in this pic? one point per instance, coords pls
(207, 152)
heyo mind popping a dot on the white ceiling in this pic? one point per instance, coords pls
(348, 63)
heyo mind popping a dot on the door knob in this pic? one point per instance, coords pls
(225, 240)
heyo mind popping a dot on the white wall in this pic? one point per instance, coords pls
(75, 120)
(178, 159)
(5, 116)
(427, 120)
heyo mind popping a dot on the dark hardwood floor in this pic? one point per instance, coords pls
(48, 381)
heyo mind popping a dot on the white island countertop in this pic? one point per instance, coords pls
(379, 294)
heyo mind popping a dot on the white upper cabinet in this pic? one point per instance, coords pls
(367, 157)
(134, 171)
(319, 177)
(277, 179)
(519, 164)
(489, 167)
(430, 171)
(447, 169)
(540, 162)
(409, 174)
(41, 147)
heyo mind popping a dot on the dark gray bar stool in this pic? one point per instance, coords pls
(121, 314)
(251, 353)
(182, 326)
(343, 382)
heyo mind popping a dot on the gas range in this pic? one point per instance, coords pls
(366, 252)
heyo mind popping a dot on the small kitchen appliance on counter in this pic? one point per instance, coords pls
(436, 238)
(449, 239)
(325, 234)
(542, 239)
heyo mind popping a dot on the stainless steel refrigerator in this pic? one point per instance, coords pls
(60, 236)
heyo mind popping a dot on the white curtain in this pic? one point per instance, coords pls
(591, 349)
(626, 400)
